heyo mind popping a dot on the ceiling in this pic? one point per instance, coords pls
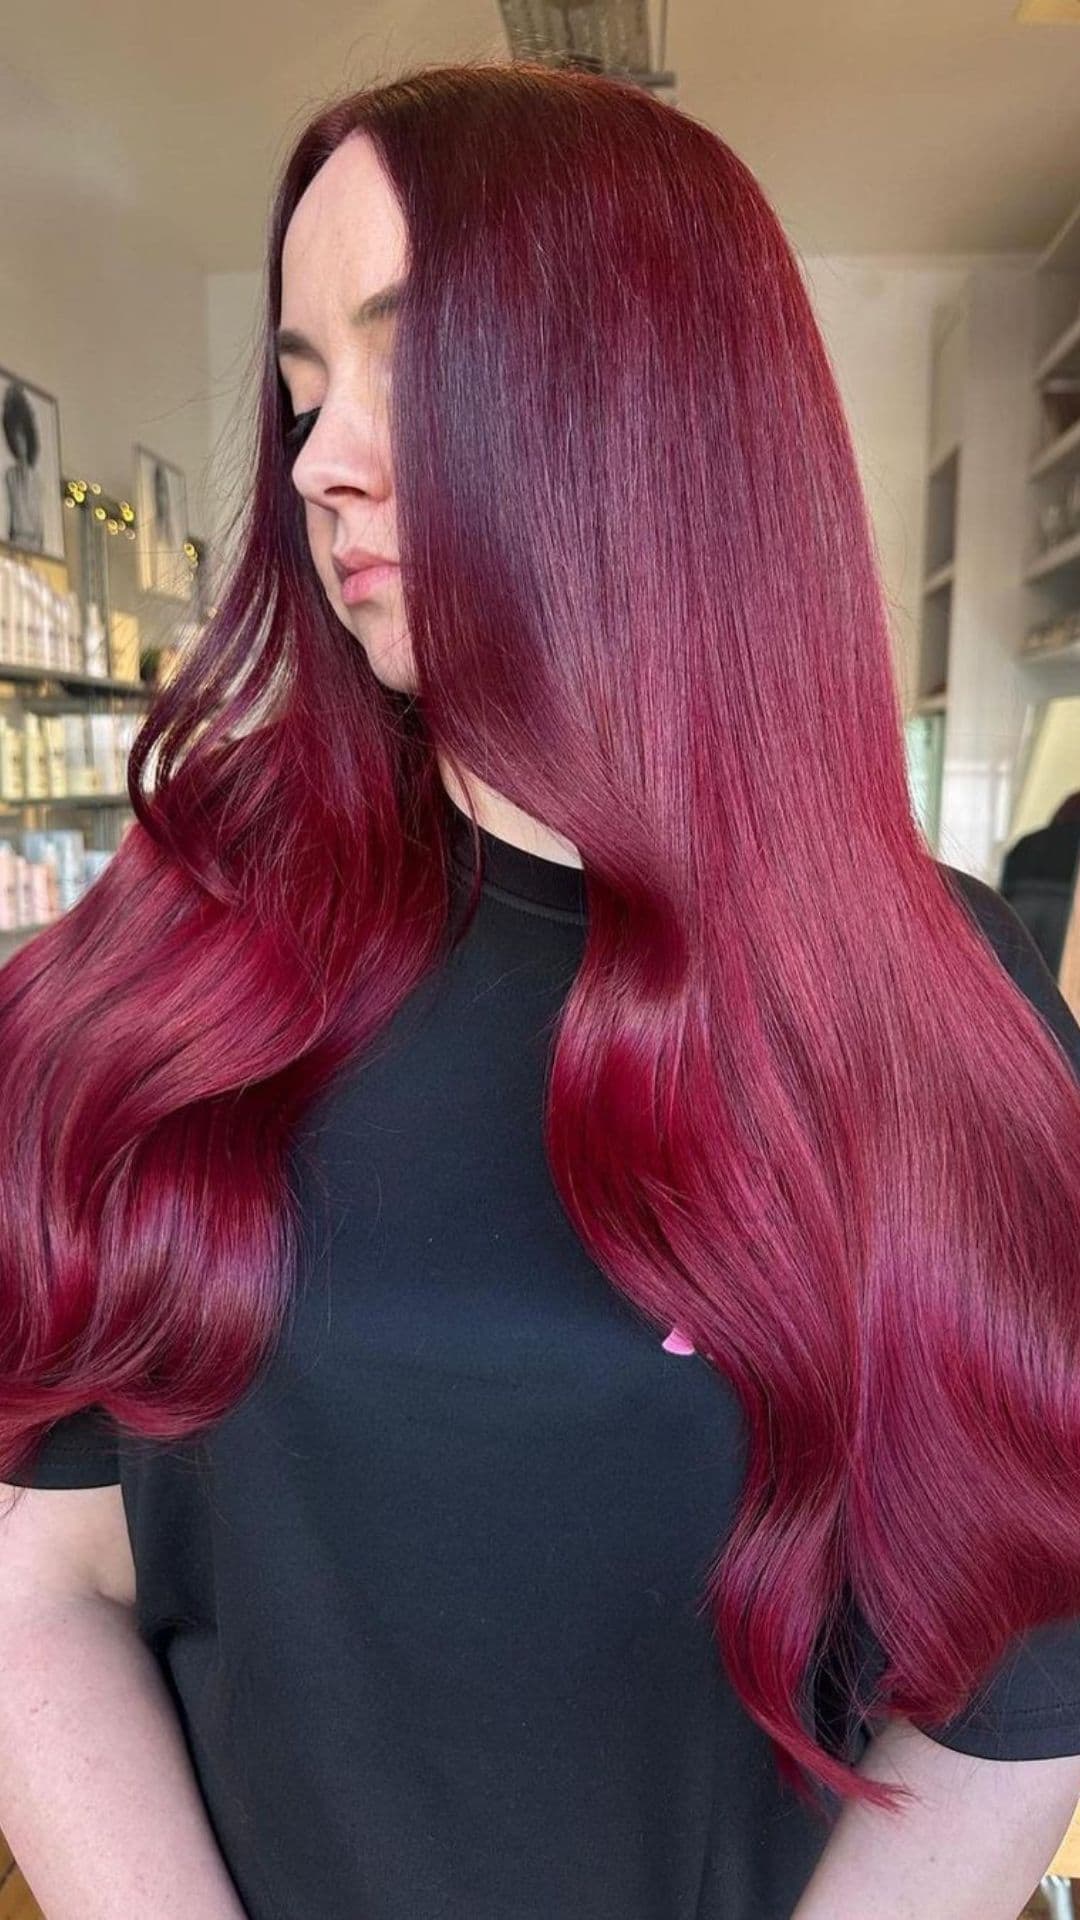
(928, 127)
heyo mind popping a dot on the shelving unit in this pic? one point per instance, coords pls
(66, 802)
(1063, 353)
(947, 363)
(999, 443)
(941, 578)
(1052, 572)
(53, 690)
(1060, 452)
(1062, 559)
(1055, 655)
(925, 727)
(13, 938)
(89, 682)
(148, 632)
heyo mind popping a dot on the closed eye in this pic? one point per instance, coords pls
(298, 431)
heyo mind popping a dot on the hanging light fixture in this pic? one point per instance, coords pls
(619, 37)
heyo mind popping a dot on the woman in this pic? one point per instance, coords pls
(571, 1261)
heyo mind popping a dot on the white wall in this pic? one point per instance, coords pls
(105, 313)
(232, 323)
(102, 309)
(875, 315)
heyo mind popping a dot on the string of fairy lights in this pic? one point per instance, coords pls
(117, 516)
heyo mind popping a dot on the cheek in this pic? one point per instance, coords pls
(320, 535)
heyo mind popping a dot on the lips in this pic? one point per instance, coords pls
(355, 559)
(367, 583)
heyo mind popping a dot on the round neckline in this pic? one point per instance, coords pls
(531, 878)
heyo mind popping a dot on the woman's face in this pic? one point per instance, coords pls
(346, 242)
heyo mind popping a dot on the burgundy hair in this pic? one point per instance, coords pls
(796, 1106)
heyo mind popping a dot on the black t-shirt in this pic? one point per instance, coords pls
(428, 1601)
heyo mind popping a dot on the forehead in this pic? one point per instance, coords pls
(346, 237)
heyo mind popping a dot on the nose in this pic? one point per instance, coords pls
(344, 454)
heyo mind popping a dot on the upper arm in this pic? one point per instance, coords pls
(1014, 947)
(973, 1840)
(63, 1526)
(992, 1820)
(64, 1540)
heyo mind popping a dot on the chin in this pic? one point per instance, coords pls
(397, 677)
(391, 663)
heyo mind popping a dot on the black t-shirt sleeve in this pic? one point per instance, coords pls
(80, 1451)
(1028, 1708)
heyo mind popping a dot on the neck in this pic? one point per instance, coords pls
(501, 817)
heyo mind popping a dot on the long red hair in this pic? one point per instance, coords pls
(796, 1106)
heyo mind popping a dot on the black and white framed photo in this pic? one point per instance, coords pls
(31, 502)
(161, 526)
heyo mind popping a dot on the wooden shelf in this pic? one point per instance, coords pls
(10, 670)
(1037, 656)
(1065, 450)
(1063, 253)
(937, 582)
(1063, 354)
(1064, 555)
(68, 800)
(14, 935)
(941, 460)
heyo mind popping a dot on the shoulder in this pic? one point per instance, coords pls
(1014, 947)
(993, 915)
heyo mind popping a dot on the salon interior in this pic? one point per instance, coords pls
(925, 162)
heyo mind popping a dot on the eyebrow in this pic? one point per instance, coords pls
(378, 306)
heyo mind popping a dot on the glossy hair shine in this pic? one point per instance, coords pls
(796, 1107)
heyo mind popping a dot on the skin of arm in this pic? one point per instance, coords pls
(98, 1798)
(974, 1846)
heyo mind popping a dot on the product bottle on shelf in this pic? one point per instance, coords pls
(12, 761)
(9, 897)
(73, 632)
(18, 629)
(50, 626)
(7, 592)
(35, 618)
(95, 649)
(36, 777)
(53, 726)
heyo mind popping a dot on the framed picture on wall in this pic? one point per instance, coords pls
(161, 526)
(31, 504)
